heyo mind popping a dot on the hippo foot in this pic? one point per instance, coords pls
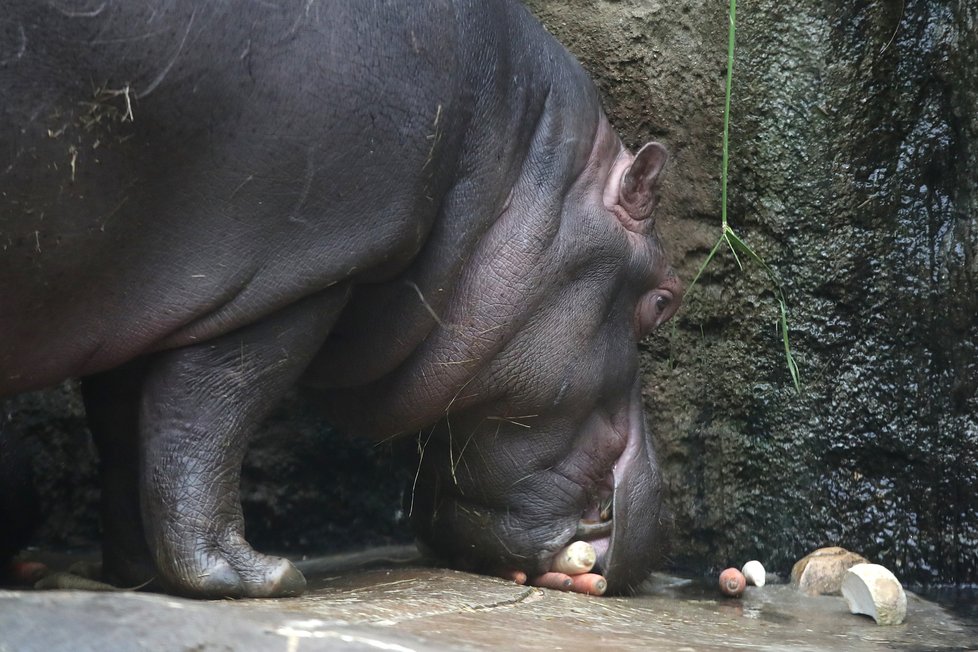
(233, 571)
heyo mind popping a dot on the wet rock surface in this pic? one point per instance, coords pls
(852, 157)
(400, 606)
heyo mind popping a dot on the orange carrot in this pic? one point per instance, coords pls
(26, 572)
(557, 581)
(589, 583)
(513, 575)
(732, 582)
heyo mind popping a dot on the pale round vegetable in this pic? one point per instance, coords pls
(754, 573)
(578, 557)
(873, 590)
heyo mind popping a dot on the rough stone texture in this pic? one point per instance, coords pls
(305, 487)
(852, 174)
(405, 607)
(308, 488)
(63, 467)
(821, 572)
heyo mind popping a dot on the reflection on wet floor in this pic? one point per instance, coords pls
(384, 598)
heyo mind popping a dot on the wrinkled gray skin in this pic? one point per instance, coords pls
(419, 206)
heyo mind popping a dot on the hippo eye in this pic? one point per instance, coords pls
(654, 308)
(661, 302)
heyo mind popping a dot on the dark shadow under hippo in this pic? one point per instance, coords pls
(417, 207)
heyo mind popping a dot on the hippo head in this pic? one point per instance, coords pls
(522, 380)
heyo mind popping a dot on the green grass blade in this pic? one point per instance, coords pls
(705, 263)
(726, 238)
(738, 247)
(731, 39)
(736, 243)
(789, 358)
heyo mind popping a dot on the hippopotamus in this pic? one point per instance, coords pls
(417, 208)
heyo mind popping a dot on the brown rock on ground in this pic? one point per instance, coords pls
(821, 572)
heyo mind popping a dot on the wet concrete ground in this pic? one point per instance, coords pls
(376, 602)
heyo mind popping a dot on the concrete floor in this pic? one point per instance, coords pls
(376, 601)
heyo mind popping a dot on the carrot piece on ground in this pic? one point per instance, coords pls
(513, 575)
(589, 583)
(26, 572)
(558, 581)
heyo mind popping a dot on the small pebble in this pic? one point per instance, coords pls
(732, 583)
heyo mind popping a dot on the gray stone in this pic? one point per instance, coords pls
(405, 607)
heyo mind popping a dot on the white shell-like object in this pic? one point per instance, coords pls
(754, 572)
(873, 590)
(579, 557)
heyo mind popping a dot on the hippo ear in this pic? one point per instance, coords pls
(639, 187)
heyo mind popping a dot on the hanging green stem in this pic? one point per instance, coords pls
(727, 235)
(731, 39)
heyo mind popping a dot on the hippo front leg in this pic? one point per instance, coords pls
(199, 406)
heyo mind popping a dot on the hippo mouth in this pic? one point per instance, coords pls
(622, 519)
(474, 525)
(597, 522)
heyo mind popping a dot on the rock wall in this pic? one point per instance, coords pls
(853, 158)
